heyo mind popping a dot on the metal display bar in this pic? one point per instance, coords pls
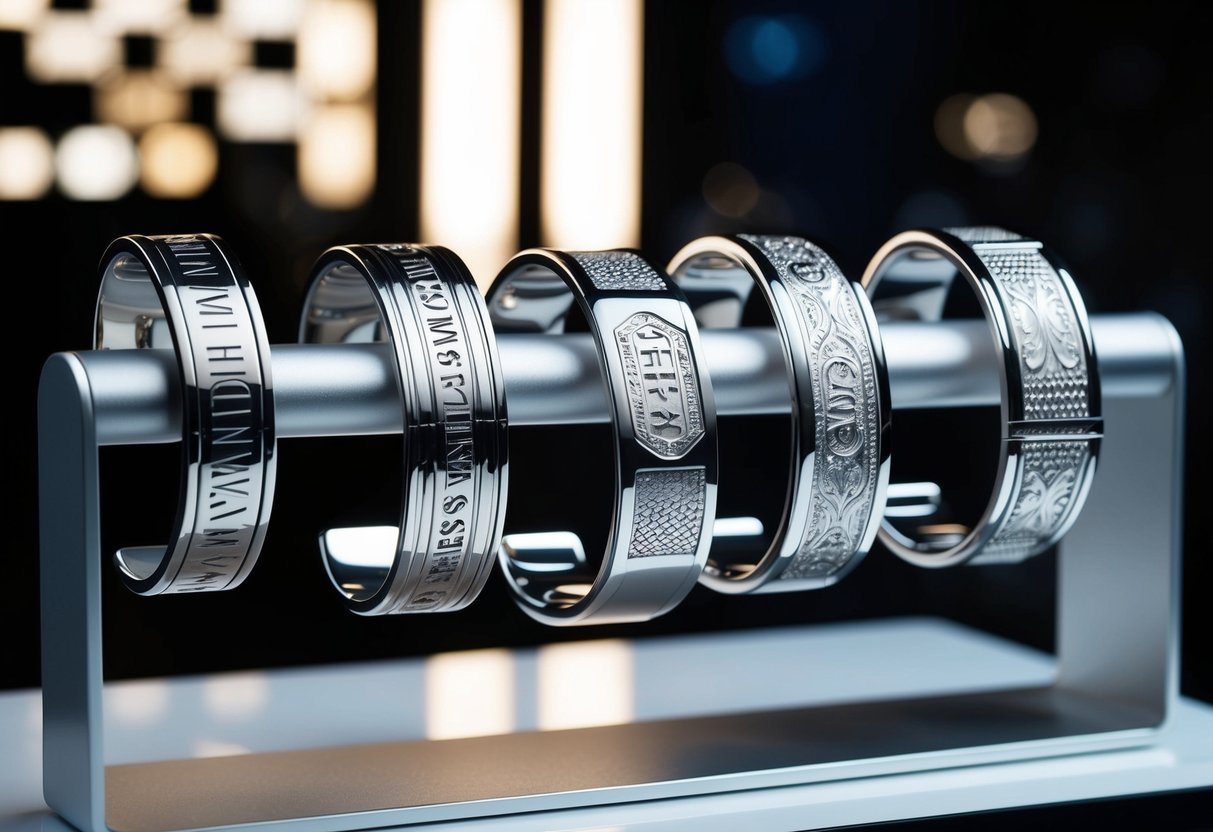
(1116, 674)
(348, 389)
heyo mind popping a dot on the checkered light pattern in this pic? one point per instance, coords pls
(141, 128)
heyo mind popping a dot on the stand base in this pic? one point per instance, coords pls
(930, 747)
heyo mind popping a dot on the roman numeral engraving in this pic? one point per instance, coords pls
(211, 304)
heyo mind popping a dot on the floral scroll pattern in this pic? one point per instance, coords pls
(845, 396)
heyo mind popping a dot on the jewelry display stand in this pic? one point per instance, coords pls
(1117, 595)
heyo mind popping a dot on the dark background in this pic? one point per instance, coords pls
(841, 143)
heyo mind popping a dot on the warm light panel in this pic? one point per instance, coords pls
(471, 74)
(592, 97)
(336, 49)
(337, 156)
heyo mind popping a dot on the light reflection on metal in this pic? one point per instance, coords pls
(236, 697)
(585, 683)
(139, 703)
(469, 694)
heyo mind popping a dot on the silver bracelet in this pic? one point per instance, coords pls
(839, 469)
(423, 301)
(187, 293)
(1050, 412)
(664, 422)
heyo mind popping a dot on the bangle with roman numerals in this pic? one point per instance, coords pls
(839, 467)
(188, 294)
(1050, 413)
(423, 301)
(664, 424)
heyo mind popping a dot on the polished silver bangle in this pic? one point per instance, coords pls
(187, 293)
(839, 467)
(423, 301)
(664, 423)
(1050, 412)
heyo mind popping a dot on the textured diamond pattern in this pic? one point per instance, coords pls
(984, 234)
(1052, 473)
(1045, 332)
(669, 512)
(1056, 385)
(620, 271)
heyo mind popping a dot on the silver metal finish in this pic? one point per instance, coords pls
(664, 422)
(1115, 683)
(424, 302)
(350, 389)
(188, 295)
(839, 390)
(1051, 423)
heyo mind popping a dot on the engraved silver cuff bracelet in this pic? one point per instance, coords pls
(839, 467)
(423, 301)
(188, 294)
(1050, 411)
(663, 419)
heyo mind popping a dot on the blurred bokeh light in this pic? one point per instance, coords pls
(765, 49)
(138, 99)
(67, 46)
(996, 127)
(148, 63)
(337, 156)
(27, 163)
(96, 163)
(202, 52)
(177, 161)
(336, 49)
(730, 190)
